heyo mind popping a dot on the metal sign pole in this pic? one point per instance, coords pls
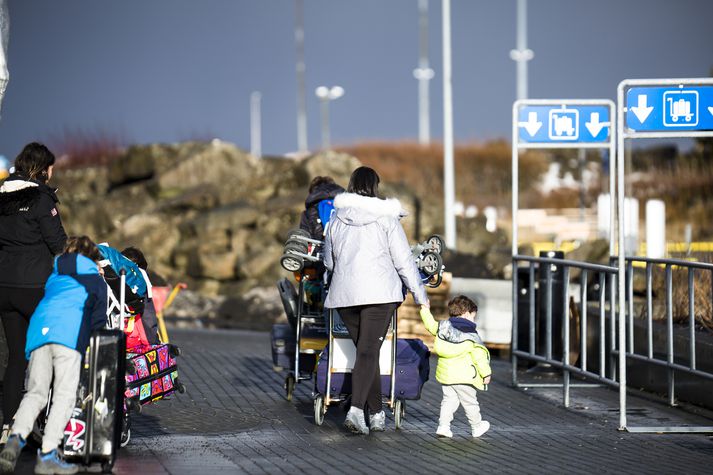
(548, 124)
(662, 108)
(622, 257)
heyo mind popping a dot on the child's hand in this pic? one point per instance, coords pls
(426, 311)
(486, 380)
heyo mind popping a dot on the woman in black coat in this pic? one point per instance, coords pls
(31, 234)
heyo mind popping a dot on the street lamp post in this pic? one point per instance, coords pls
(423, 74)
(448, 171)
(326, 95)
(255, 125)
(522, 54)
(300, 70)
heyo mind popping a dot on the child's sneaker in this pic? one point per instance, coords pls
(50, 464)
(377, 422)
(355, 421)
(444, 432)
(480, 428)
(5, 434)
(8, 456)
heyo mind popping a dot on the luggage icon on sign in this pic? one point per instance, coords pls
(680, 108)
(564, 124)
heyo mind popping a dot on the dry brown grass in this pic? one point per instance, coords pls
(80, 148)
(483, 171)
(703, 304)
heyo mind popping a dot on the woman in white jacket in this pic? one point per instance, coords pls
(370, 261)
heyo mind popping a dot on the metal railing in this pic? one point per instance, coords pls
(540, 340)
(603, 369)
(648, 266)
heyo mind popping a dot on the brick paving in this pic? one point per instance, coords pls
(234, 419)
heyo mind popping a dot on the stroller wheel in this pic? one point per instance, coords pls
(319, 410)
(435, 243)
(289, 386)
(291, 263)
(293, 247)
(297, 232)
(430, 263)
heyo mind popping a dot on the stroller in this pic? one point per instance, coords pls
(151, 368)
(296, 346)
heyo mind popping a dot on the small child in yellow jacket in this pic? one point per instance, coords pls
(463, 364)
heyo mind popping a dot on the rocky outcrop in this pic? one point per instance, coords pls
(215, 217)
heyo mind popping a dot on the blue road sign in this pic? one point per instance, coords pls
(669, 109)
(564, 124)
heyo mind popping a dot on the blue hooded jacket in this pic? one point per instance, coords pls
(74, 304)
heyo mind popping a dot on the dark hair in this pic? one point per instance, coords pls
(364, 181)
(34, 162)
(84, 246)
(461, 305)
(320, 180)
(136, 256)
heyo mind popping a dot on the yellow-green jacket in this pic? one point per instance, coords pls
(467, 362)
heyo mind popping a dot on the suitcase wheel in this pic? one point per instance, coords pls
(174, 351)
(399, 413)
(107, 467)
(180, 387)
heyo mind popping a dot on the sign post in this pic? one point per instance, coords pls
(654, 108)
(565, 123)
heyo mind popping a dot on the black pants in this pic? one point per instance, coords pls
(16, 307)
(367, 325)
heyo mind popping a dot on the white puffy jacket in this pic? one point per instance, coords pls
(367, 253)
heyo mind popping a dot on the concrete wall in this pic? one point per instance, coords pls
(494, 298)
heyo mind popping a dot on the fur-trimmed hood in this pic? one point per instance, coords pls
(359, 210)
(19, 194)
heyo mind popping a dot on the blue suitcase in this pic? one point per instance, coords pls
(412, 371)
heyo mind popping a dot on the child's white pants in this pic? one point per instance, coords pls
(66, 363)
(453, 396)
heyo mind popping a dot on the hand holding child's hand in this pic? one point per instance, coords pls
(486, 380)
(426, 311)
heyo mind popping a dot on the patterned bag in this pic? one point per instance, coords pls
(151, 373)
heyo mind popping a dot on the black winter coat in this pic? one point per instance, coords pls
(310, 216)
(31, 232)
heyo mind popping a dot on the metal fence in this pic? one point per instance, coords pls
(549, 334)
(541, 335)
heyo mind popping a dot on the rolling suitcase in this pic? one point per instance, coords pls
(92, 433)
(412, 371)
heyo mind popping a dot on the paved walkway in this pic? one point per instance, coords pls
(234, 419)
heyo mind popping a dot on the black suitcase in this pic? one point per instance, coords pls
(289, 298)
(93, 432)
(283, 345)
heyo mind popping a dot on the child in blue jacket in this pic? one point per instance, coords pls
(74, 305)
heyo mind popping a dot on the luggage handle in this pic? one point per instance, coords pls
(122, 299)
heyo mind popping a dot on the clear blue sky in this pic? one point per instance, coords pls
(168, 70)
